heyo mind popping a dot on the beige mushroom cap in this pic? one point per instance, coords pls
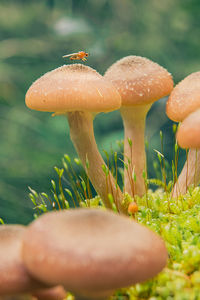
(90, 250)
(188, 134)
(73, 87)
(185, 98)
(139, 80)
(14, 277)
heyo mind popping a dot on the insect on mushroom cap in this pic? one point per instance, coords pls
(73, 87)
(185, 98)
(139, 80)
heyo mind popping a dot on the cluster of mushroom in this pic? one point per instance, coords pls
(184, 106)
(90, 252)
(132, 84)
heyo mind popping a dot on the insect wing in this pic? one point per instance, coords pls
(68, 55)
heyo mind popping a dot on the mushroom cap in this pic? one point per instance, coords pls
(14, 277)
(73, 87)
(91, 250)
(188, 134)
(139, 80)
(185, 98)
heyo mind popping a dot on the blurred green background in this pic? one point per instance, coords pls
(33, 37)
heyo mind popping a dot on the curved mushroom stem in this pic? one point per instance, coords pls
(190, 174)
(82, 136)
(134, 148)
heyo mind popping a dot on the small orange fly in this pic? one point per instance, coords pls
(79, 55)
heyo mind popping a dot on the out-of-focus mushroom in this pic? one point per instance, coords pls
(185, 99)
(14, 278)
(91, 252)
(140, 82)
(79, 92)
(188, 134)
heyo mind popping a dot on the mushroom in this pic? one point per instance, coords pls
(92, 252)
(188, 134)
(140, 82)
(79, 92)
(185, 99)
(14, 278)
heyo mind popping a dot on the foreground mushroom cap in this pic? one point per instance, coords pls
(90, 250)
(188, 134)
(73, 88)
(185, 98)
(14, 277)
(139, 80)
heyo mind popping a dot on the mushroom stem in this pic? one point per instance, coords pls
(134, 148)
(91, 298)
(82, 136)
(95, 295)
(190, 174)
(17, 297)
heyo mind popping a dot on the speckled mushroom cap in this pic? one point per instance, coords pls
(185, 98)
(188, 134)
(14, 277)
(139, 80)
(91, 250)
(73, 87)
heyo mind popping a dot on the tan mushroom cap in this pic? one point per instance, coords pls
(91, 250)
(139, 80)
(73, 87)
(188, 134)
(14, 277)
(185, 98)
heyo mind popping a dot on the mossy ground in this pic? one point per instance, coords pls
(176, 220)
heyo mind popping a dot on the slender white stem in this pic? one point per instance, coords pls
(134, 154)
(82, 136)
(190, 174)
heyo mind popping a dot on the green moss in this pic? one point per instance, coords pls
(176, 220)
(179, 225)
